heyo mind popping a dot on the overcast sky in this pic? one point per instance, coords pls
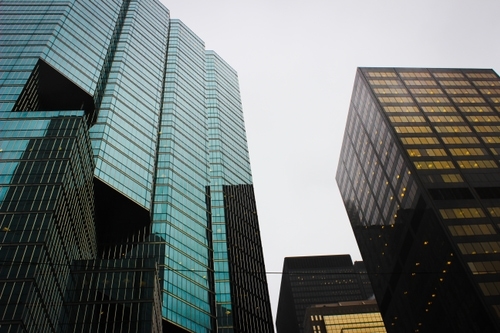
(296, 62)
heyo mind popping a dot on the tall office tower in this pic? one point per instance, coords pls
(354, 316)
(170, 188)
(309, 281)
(420, 179)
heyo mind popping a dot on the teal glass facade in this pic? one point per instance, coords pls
(164, 120)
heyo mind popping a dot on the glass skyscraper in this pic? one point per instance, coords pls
(155, 175)
(419, 174)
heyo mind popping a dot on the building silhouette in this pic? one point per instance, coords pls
(126, 192)
(420, 179)
(313, 280)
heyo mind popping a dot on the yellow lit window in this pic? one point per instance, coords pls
(485, 119)
(428, 91)
(462, 91)
(454, 83)
(487, 83)
(482, 75)
(429, 165)
(479, 164)
(487, 129)
(491, 91)
(430, 109)
(395, 100)
(461, 213)
(494, 99)
(396, 91)
(432, 100)
(495, 151)
(484, 267)
(384, 82)
(406, 109)
(448, 75)
(471, 230)
(443, 119)
(412, 129)
(452, 129)
(492, 139)
(426, 152)
(479, 247)
(452, 140)
(415, 74)
(475, 109)
(467, 152)
(407, 119)
(381, 74)
(472, 100)
(421, 83)
(419, 140)
(452, 178)
(494, 211)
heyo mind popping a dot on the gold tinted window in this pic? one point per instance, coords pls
(415, 74)
(482, 75)
(431, 109)
(406, 109)
(485, 119)
(492, 139)
(384, 82)
(491, 91)
(419, 140)
(446, 119)
(448, 75)
(395, 100)
(421, 82)
(487, 129)
(452, 178)
(395, 91)
(461, 213)
(468, 100)
(432, 100)
(426, 152)
(454, 140)
(407, 119)
(427, 91)
(454, 83)
(452, 129)
(381, 74)
(412, 129)
(479, 164)
(467, 152)
(487, 83)
(429, 165)
(462, 91)
(475, 109)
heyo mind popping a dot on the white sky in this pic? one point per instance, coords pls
(296, 62)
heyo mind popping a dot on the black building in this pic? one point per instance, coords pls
(420, 179)
(309, 281)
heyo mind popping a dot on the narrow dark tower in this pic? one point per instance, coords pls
(313, 280)
(420, 179)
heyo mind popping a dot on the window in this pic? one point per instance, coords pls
(407, 119)
(451, 140)
(408, 109)
(448, 75)
(412, 129)
(479, 164)
(462, 91)
(471, 100)
(467, 152)
(396, 91)
(420, 83)
(475, 109)
(485, 119)
(424, 91)
(471, 230)
(395, 100)
(381, 74)
(426, 165)
(415, 74)
(487, 83)
(452, 178)
(432, 100)
(461, 213)
(431, 109)
(426, 152)
(452, 129)
(454, 83)
(444, 119)
(484, 267)
(479, 247)
(419, 140)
